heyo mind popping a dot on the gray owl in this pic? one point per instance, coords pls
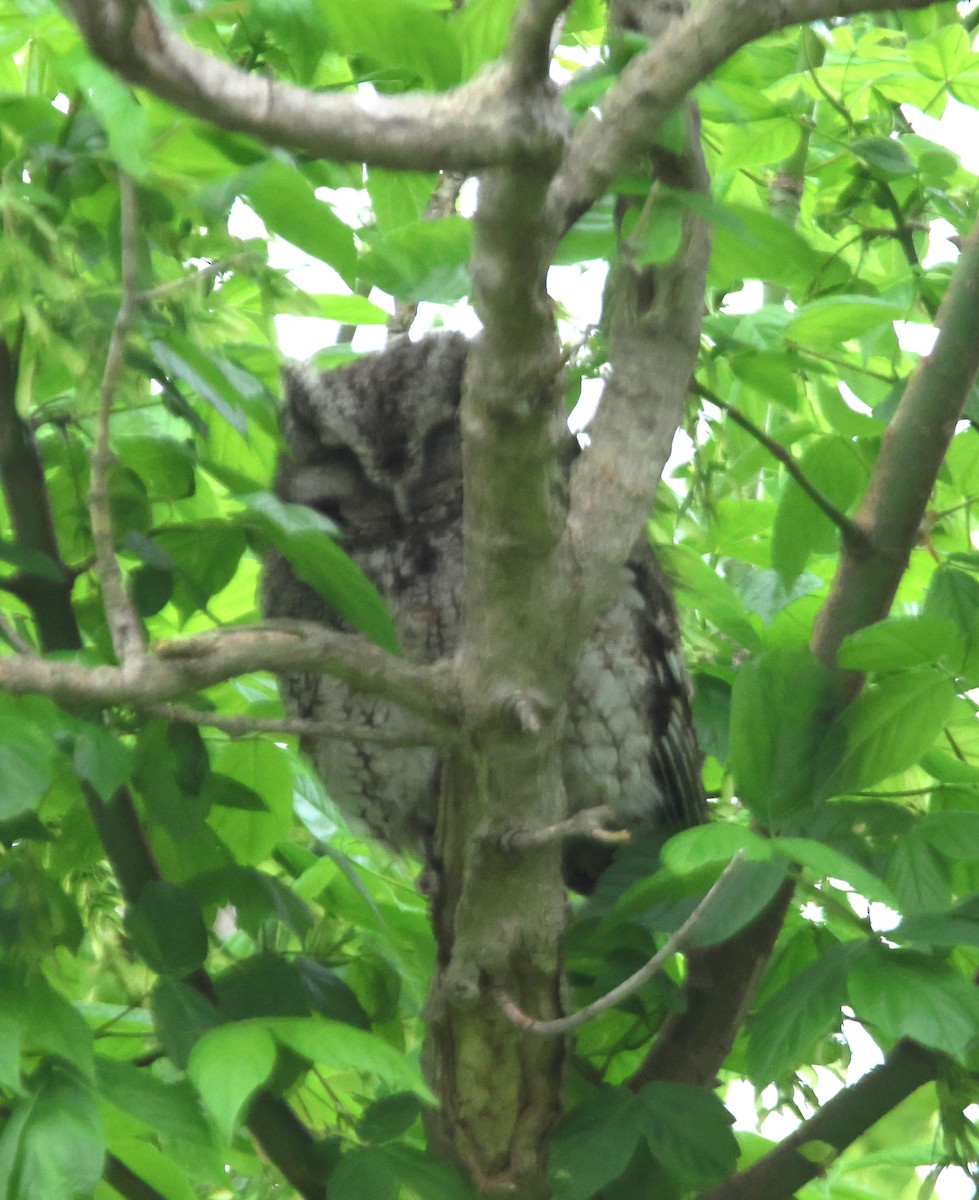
(376, 447)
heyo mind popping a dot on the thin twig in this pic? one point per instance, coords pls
(124, 622)
(348, 731)
(163, 291)
(850, 530)
(13, 637)
(674, 943)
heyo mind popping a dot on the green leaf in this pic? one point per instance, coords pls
(834, 320)
(129, 503)
(170, 769)
(264, 985)
(203, 375)
(594, 1144)
(755, 143)
(206, 557)
(954, 595)
(329, 995)
(832, 466)
(593, 235)
(886, 157)
(781, 707)
(334, 1046)
(688, 1131)
(28, 764)
(121, 115)
(693, 849)
(740, 898)
(230, 793)
(51, 1147)
(11, 1021)
(31, 561)
(897, 643)
(228, 1065)
(943, 54)
(654, 235)
(827, 862)
(362, 1174)
(301, 536)
(947, 768)
(351, 310)
(44, 1021)
(918, 876)
(483, 29)
(389, 1117)
(154, 1168)
(425, 1177)
(903, 994)
(102, 759)
(376, 1172)
(167, 1107)
(784, 1031)
(885, 730)
(399, 197)
(712, 595)
(165, 465)
(53, 1025)
(425, 260)
(954, 834)
(752, 244)
(765, 593)
(181, 1017)
(265, 767)
(938, 929)
(397, 34)
(167, 928)
(150, 589)
(284, 199)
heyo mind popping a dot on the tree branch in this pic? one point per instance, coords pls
(473, 126)
(653, 312)
(529, 44)
(47, 595)
(126, 1182)
(850, 531)
(721, 980)
(838, 1124)
(913, 448)
(179, 668)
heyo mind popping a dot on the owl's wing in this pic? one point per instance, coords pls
(675, 756)
(630, 742)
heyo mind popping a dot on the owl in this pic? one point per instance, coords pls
(376, 446)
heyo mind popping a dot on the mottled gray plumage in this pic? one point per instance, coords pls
(376, 447)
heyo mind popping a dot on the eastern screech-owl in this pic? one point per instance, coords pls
(376, 447)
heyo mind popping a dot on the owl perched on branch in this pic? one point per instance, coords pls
(376, 446)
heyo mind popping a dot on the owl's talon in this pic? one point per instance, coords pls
(589, 823)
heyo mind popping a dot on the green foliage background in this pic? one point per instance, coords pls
(111, 1065)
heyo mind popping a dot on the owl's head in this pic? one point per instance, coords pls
(375, 445)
